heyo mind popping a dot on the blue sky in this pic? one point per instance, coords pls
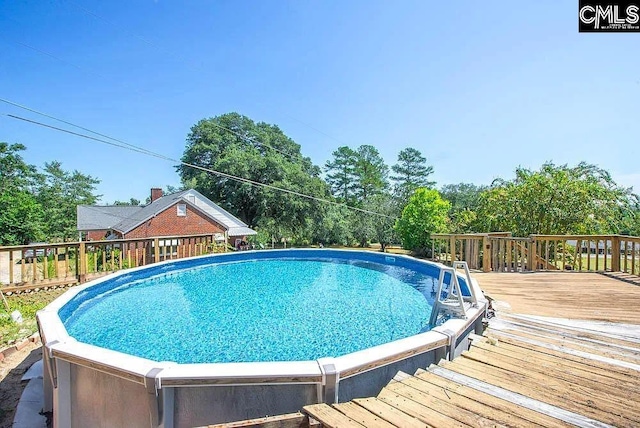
(478, 88)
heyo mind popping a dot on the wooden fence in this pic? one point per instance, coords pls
(501, 252)
(26, 267)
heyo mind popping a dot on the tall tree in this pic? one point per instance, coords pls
(59, 193)
(236, 145)
(410, 173)
(383, 223)
(15, 173)
(426, 213)
(371, 173)
(465, 200)
(21, 218)
(333, 226)
(556, 200)
(341, 173)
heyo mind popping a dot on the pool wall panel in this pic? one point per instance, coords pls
(196, 406)
(99, 399)
(369, 384)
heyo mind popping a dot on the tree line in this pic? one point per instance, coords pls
(39, 205)
(382, 204)
(354, 198)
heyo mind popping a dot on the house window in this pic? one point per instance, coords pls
(182, 210)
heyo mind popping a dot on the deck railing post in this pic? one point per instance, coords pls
(452, 248)
(486, 254)
(81, 262)
(156, 250)
(533, 253)
(615, 253)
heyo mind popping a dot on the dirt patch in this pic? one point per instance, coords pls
(12, 368)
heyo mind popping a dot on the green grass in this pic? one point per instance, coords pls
(592, 265)
(28, 304)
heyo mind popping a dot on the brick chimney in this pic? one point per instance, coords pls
(156, 193)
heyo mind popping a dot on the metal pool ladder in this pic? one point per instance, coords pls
(453, 301)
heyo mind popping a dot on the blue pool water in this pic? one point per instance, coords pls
(269, 308)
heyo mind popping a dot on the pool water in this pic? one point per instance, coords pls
(256, 310)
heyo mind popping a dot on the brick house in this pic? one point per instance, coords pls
(179, 214)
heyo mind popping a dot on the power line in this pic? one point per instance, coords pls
(68, 123)
(251, 140)
(134, 148)
(127, 144)
(89, 71)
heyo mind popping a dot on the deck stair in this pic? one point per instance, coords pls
(524, 371)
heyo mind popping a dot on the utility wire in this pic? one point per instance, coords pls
(182, 60)
(71, 124)
(251, 140)
(134, 148)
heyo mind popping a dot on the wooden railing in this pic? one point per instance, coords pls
(25, 267)
(501, 252)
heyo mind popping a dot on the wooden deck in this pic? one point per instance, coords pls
(527, 370)
(584, 296)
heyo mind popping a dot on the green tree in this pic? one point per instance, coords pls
(236, 145)
(15, 173)
(631, 217)
(555, 200)
(410, 173)
(21, 219)
(131, 202)
(59, 193)
(465, 200)
(341, 173)
(383, 226)
(333, 226)
(371, 173)
(426, 213)
(20, 214)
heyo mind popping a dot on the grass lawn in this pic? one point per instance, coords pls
(28, 304)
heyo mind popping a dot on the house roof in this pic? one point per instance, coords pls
(132, 219)
(96, 217)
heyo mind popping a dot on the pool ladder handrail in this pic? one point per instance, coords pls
(472, 298)
(453, 302)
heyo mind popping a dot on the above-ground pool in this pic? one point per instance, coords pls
(236, 336)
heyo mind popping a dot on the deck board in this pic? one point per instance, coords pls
(457, 405)
(330, 417)
(424, 413)
(390, 413)
(524, 347)
(584, 296)
(490, 402)
(603, 375)
(555, 370)
(445, 407)
(546, 389)
(362, 415)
